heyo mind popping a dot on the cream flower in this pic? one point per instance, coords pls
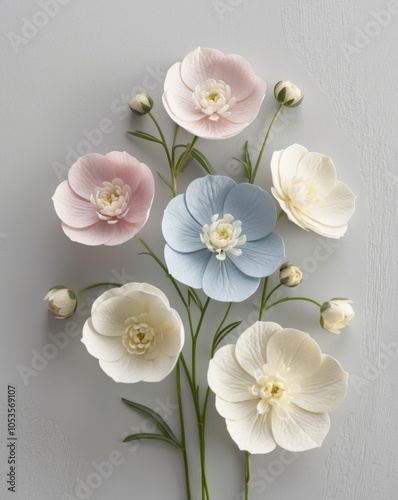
(289, 275)
(336, 314)
(134, 333)
(306, 188)
(275, 387)
(288, 94)
(61, 301)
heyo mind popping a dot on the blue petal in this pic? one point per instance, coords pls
(260, 258)
(254, 207)
(180, 230)
(188, 268)
(225, 282)
(205, 196)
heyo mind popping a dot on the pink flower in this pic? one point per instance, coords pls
(212, 95)
(106, 199)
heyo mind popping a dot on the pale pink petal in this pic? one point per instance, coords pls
(89, 172)
(102, 233)
(72, 209)
(141, 198)
(299, 430)
(251, 347)
(227, 379)
(245, 111)
(288, 164)
(129, 369)
(296, 350)
(100, 346)
(325, 389)
(253, 433)
(200, 65)
(180, 105)
(127, 168)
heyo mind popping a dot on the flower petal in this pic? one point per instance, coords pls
(180, 230)
(129, 369)
(296, 350)
(255, 223)
(168, 322)
(109, 317)
(276, 180)
(321, 169)
(101, 346)
(72, 209)
(227, 379)
(188, 268)
(251, 347)
(205, 196)
(236, 410)
(128, 168)
(288, 164)
(102, 233)
(225, 282)
(325, 389)
(299, 430)
(199, 65)
(253, 433)
(260, 258)
(161, 368)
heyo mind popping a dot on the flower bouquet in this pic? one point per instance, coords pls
(272, 384)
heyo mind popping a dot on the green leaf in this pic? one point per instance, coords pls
(247, 168)
(157, 437)
(247, 156)
(147, 137)
(195, 298)
(223, 333)
(164, 180)
(154, 417)
(202, 160)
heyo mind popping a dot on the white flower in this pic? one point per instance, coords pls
(134, 333)
(290, 275)
(275, 387)
(336, 314)
(141, 104)
(306, 188)
(61, 302)
(288, 94)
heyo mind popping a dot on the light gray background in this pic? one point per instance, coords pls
(74, 71)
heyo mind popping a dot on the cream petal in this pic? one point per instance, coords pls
(227, 379)
(321, 169)
(109, 317)
(161, 368)
(288, 164)
(100, 346)
(253, 433)
(251, 347)
(236, 410)
(325, 389)
(319, 228)
(129, 369)
(167, 321)
(296, 350)
(276, 179)
(299, 430)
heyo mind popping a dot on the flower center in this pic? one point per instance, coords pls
(214, 99)
(139, 337)
(111, 200)
(303, 192)
(223, 235)
(274, 388)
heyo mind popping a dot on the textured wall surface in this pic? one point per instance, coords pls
(68, 68)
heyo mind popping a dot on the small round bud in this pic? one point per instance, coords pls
(141, 104)
(290, 275)
(61, 301)
(336, 314)
(288, 94)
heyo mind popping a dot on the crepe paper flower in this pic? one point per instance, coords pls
(219, 237)
(275, 387)
(106, 199)
(288, 94)
(61, 301)
(141, 104)
(212, 95)
(134, 333)
(336, 314)
(289, 275)
(306, 188)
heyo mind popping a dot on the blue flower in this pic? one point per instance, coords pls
(219, 237)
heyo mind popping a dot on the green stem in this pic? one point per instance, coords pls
(277, 113)
(280, 215)
(182, 427)
(247, 474)
(286, 299)
(263, 300)
(185, 155)
(104, 283)
(173, 185)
